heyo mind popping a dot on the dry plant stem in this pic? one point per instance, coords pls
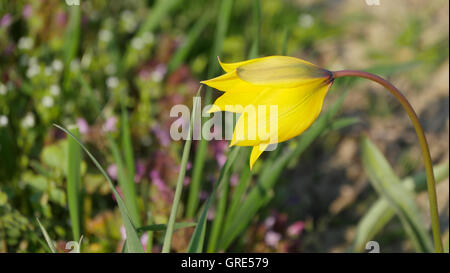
(431, 185)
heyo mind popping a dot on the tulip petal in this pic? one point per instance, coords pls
(297, 109)
(281, 71)
(230, 67)
(230, 82)
(236, 101)
(256, 153)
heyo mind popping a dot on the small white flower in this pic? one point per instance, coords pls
(47, 101)
(75, 65)
(48, 70)
(148, 38)
(306, 20)
(86, 60)
(129, 20)
(55, 90)
(137, 43)
(112, 82)
(105, 35)
(110, 69)
(3, 89)
(32, 61)
(33, 71)
(57, 65)
(28, 121)
(157, 76)
(3, 121)
(25, 43)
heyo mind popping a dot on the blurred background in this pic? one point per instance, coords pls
(115, 68)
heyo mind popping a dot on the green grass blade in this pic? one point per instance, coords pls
(180, 55)
(129, 164)
(381, 212)
(219, 214)
(133, 242)
(74, 184)
(184, 159)
(162, 227)
(388, 185)
(198, 237)
(197, 172)
(127, 186)
(47, 238)
(238, 194)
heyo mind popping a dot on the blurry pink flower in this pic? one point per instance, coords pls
(144, 240)
(234, 180)
(144, 74)
(123, 233)
(187, 181)
(162, 135)
(211, 214)
(296, 228)
(220, 148)
(272, 238)
(140, 171)
(269, 222)
(203, 195)
(83, 126)
(157, 181)
(27, 11)
(61, 18)
(6, 20)
(112, 171)
(110, 124)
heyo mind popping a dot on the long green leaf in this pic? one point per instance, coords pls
(133, 242)
(219, 213)
(127, 186)
(129, 163)
(74, 184)
(388, 185)
(381, 212)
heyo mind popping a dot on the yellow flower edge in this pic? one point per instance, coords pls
(296, 88)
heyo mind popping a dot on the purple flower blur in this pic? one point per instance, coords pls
(6, 20)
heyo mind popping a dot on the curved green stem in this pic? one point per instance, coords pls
(423, 145)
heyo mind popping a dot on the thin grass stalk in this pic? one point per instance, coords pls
(184, 160)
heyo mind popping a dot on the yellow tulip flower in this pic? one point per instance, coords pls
(292, 88)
